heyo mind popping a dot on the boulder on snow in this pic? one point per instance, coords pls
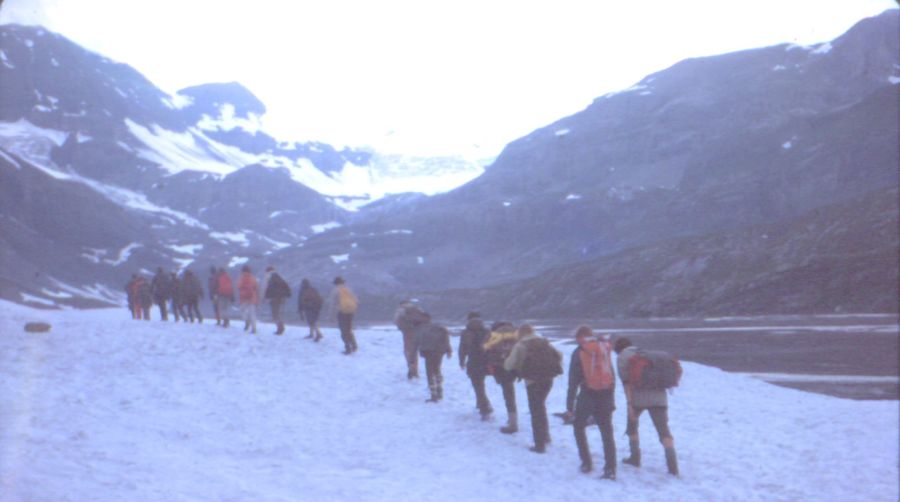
(37, 327)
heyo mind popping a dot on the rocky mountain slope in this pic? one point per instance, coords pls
(658, 193)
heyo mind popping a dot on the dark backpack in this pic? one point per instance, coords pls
(277, 287)
(653, 370)
(542, 361)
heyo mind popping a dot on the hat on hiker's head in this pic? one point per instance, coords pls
(338, 280)
(472, 315)
(525, 330)
(270, 268)
(621, 344)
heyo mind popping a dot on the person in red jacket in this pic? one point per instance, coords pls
(224, 296)
(248, 296)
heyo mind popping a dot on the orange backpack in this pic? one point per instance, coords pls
(596, 364)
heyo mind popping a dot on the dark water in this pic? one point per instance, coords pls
(852, 357)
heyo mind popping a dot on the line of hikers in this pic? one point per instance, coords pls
(172, 293)
(509, 353)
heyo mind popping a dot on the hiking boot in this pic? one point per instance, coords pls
(672, 461)
(586, 467)
(512, 425)
(538, 448)
(318, 337)
(609, 474)
(347, 351)
(635, 458)
(246, 325)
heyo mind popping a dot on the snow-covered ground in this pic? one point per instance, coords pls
(104, 408)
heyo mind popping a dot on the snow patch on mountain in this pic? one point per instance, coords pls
(228, 120)
(318, 229)
(124, 254)
(191, 150)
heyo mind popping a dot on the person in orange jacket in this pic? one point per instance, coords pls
(224, 295)
(248, 296)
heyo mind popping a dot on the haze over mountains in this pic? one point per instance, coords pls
(762, 181)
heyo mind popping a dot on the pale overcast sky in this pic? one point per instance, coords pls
(426, 77)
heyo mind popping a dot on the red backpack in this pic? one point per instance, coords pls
(596, 364)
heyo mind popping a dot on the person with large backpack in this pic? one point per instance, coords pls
(191, 292)
(248, 298)
(161, 289)
(224, 296)
(344, 301)
(645, 389)
(473, 360)
(408, 318)
(536, 361)
(309, 304)
(433, 342)
(496, 349)
(276, 291)
(591, 375)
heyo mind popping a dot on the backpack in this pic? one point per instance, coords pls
(277, 287)
(347, 302)
(653, 370)
(412, 317)
(597, 367)
(541, 362)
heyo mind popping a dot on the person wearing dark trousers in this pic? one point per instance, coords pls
(309, 304)
(591, 376)
(472, 359)
(213, 285)
(537, 390)
(191, 293)
(161, 289)
(177, 302)
(502, 339)
(432, 343)
(344, 301)
(655, 401)
(276, 291)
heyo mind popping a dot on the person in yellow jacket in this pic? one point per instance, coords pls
(344, 301)
(500, 342)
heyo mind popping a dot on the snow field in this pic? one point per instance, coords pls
(106, 408)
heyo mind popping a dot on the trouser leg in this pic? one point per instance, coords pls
(604, 421)
(481, 398)
(537, 397)
(409, 351)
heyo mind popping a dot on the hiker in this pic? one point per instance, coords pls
(527, 359)
(224, 295)
(248, 296)
(131, 298)
(276, 291)
(191, 292)
(344, 301)
(161, 290)
(408, 318)
(176, 298)
(432, 342)
(212, 283)
(309, 304)
(473, 360)
(655, 401)
(591, 375)
(501, 341)
(143, 298)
